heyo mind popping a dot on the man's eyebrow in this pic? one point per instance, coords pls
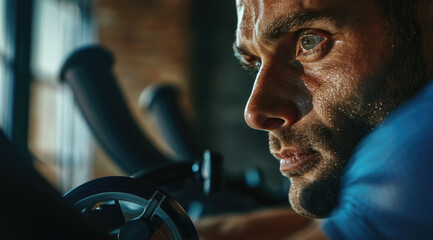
(240, 51)
(282, 25)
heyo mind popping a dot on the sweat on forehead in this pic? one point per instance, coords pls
(250, 12)
(255, 16)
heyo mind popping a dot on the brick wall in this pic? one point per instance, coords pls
(150, 40)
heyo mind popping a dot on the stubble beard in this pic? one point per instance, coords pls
(315, 186)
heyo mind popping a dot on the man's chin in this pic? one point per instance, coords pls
(314, 199)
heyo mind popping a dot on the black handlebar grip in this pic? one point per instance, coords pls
(162, 102)
(89, 73)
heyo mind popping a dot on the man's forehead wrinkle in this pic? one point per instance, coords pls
(241, 17)
(246, 18)
(258, 19)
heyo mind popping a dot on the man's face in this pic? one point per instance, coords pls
(323, 82)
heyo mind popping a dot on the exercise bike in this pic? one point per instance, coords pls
(146, 205)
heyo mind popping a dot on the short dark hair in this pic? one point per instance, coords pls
(399, 11)
(407, 37)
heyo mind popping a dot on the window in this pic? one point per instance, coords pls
(58, 135)
(7, 39)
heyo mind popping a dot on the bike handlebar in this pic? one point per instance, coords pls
(89, 73)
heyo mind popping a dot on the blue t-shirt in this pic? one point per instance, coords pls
(387, 187)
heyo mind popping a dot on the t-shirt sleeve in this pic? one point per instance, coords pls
(386, 190)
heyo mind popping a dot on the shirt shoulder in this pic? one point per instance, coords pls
(385, 191)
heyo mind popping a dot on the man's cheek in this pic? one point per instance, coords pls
(325, 107)
(332, 80)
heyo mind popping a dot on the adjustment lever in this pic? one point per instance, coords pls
(207, 172)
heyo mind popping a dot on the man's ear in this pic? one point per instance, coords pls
(425, 18)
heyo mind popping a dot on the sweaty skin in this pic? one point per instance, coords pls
(325, 78)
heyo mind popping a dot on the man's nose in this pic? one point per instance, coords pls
(271, 104)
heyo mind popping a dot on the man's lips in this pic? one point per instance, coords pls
(292, 161)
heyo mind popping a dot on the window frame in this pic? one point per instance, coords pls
(16, 65)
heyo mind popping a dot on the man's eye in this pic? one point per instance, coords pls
(251, 66)
(308, 42)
